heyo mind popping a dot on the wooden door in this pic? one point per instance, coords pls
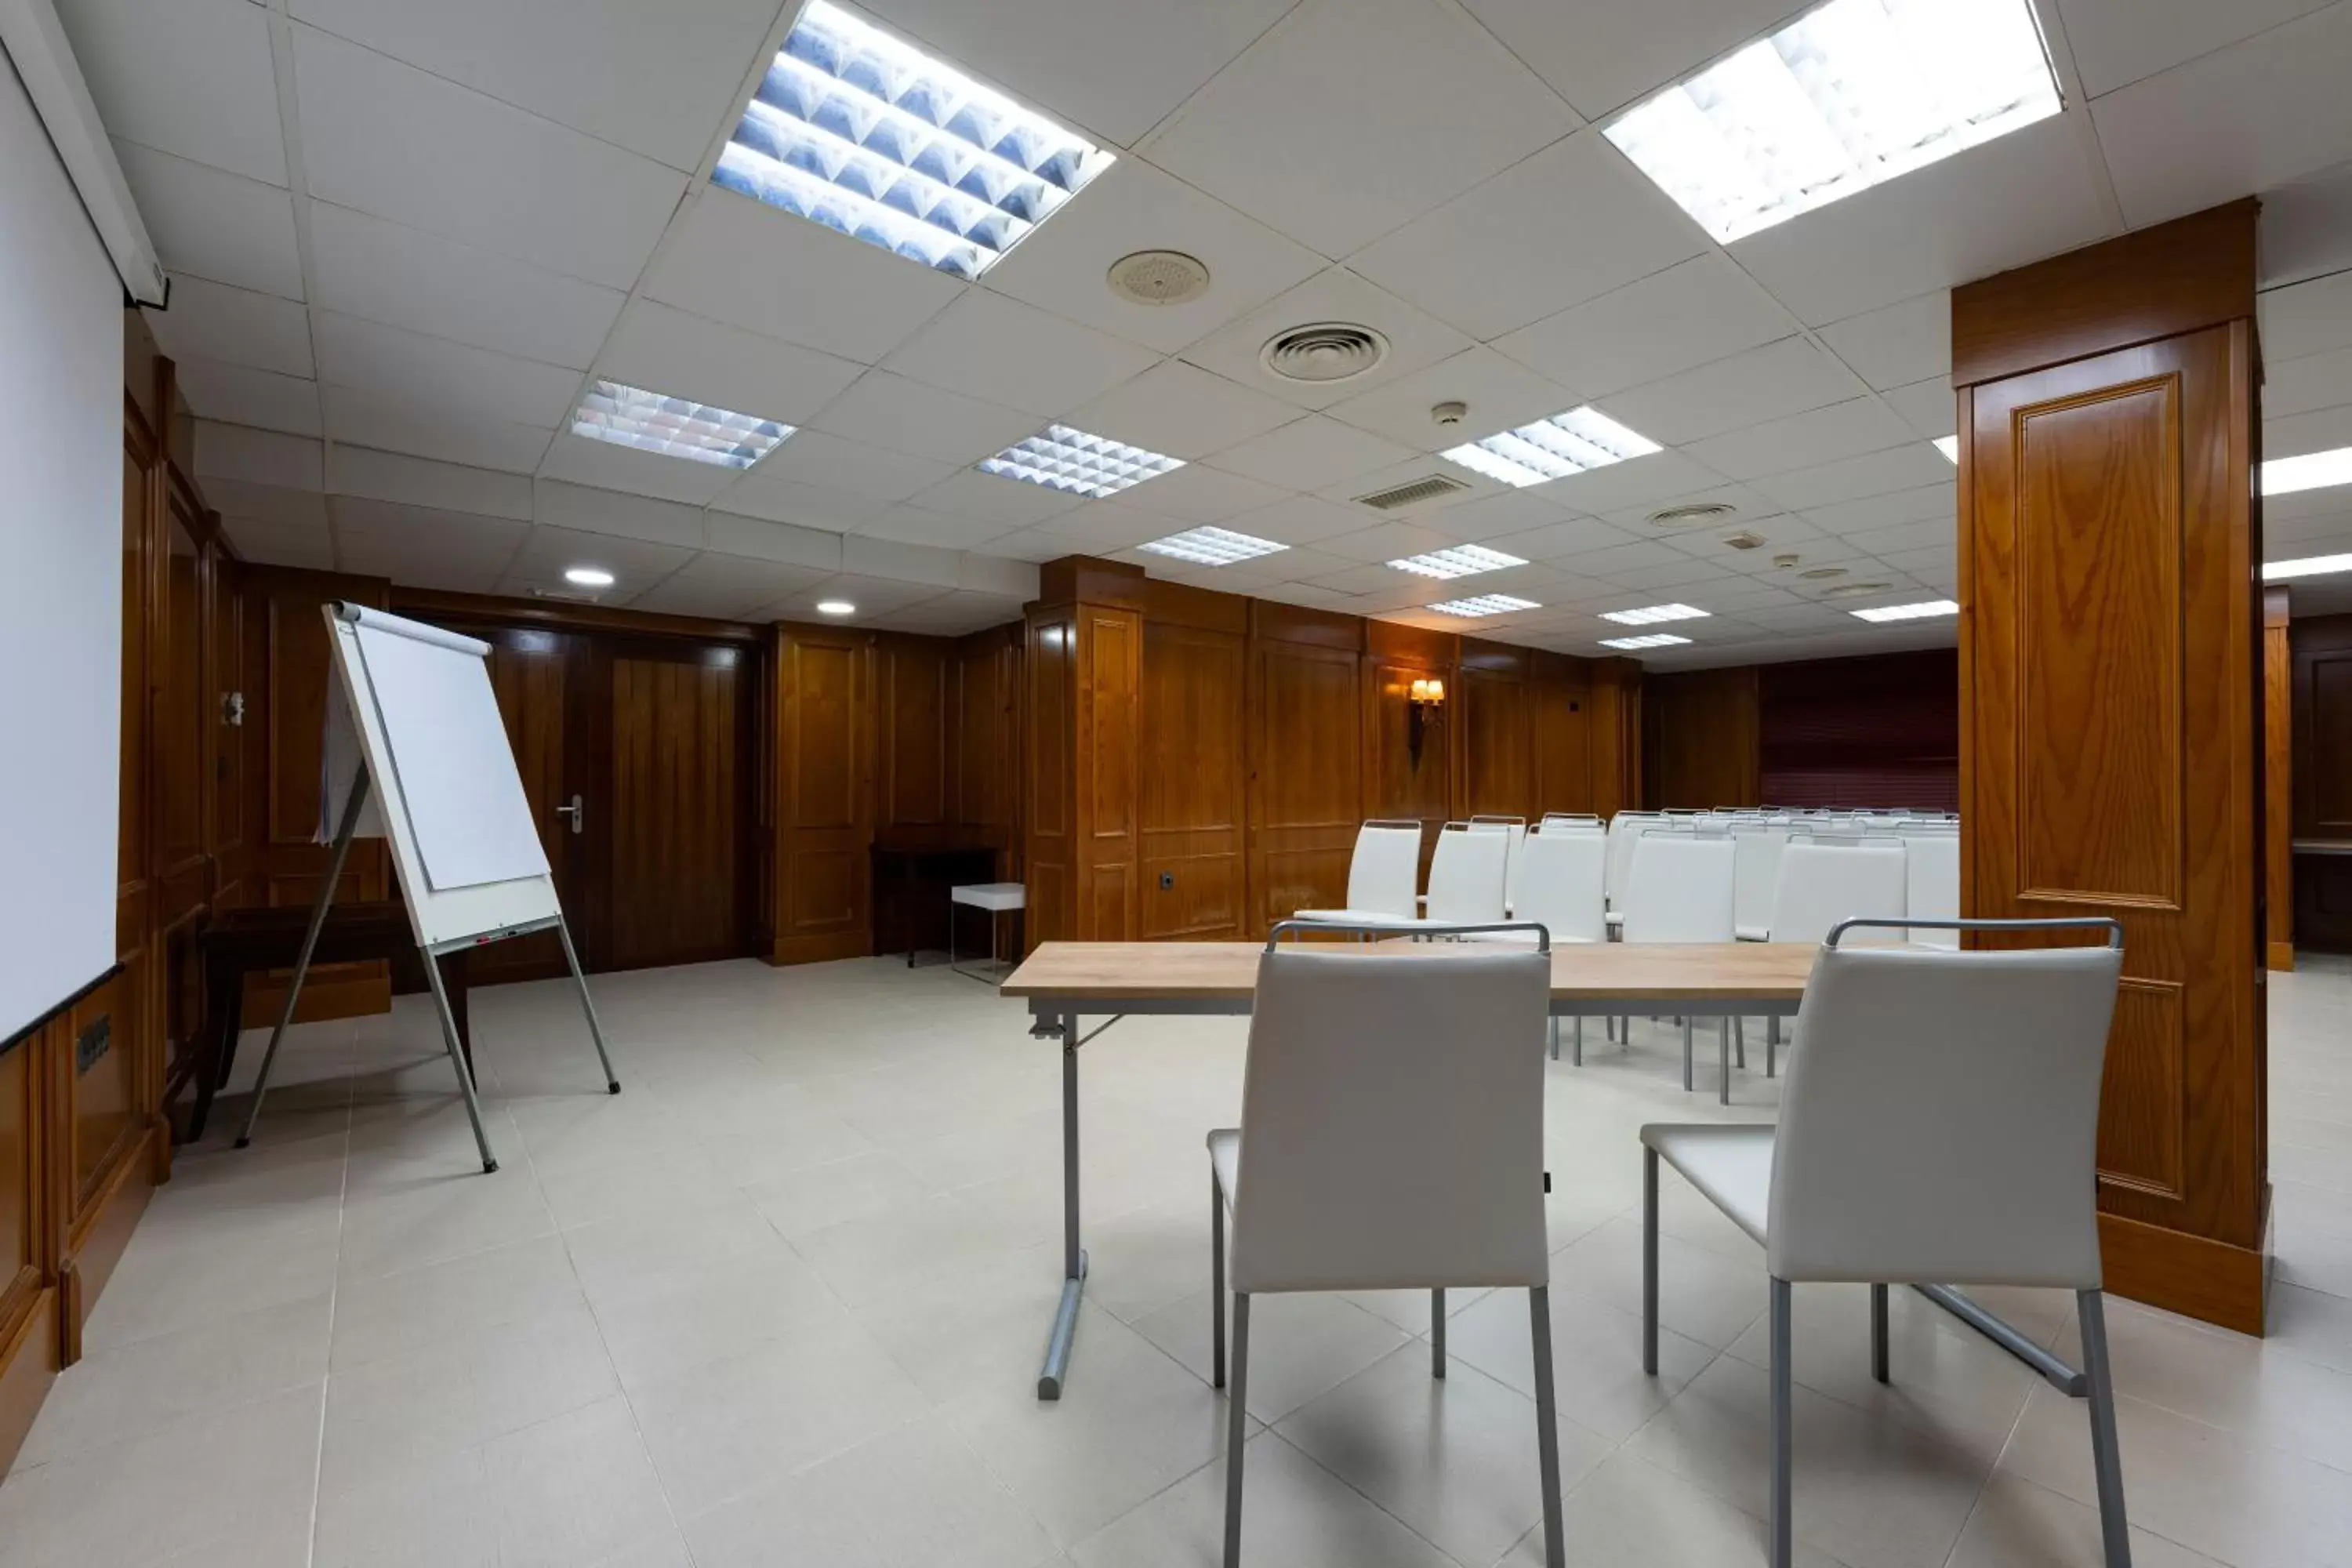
(538, 676)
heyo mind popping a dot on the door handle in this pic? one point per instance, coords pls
(577, 812)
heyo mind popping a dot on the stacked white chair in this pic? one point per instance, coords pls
(1680, 889)
(1392, 1138)
(1624, 830)
(1515, 828)
(1381, 875)
(1941, 1128)
(1826, 879)
(1755, 876)
(1467, 875)
(1931, 852)
(1560, 873)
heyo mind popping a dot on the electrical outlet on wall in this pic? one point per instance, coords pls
(1167, 881)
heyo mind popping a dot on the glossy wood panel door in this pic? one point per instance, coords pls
(1307, 775)
(1191, 790)
(825, 813)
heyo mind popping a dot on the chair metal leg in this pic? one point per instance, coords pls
(1555, 1039)
(1771, 1044)
(1216, 1282)
(1576, 1039)
(1437, 1332)
(1723, 1061)
(1608, 1024)
(1781, 1532)
(2106, 1458)
(1686, 1055)
(1650, 1260)
(1547, 1425)
(1739, 1044)
(1236, 1430)
(1878, 1367)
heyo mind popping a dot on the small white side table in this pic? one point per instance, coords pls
(997, 899)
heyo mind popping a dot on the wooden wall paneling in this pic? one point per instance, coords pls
(1395, 784)
(912, 729)
(985, 736)
(2112, 732)
(31, 1345)
(1702, 739)
(1192, 793)
(1496, 709)
(825, 813)
(1562, 718)
(2278, 780)
(2319, 650)
(1108, 733)
(674, 885)
(1307, 782)
(539, 678)
(1049, 772)
(1616, 735)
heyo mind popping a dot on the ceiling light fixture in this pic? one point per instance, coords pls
(1570, 443)
(1061, 459)
(1654, 639)
(1652, 615)
(1457, 561)
(1949, 445)
(2309, 566)
(1485, 605)
(588, 576)
(675, 426)
(1848, 96)
(836, 607)
(2311, 471)
(1926, 609)
(1211, 546)
(864, 133)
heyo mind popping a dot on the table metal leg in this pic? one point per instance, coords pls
(1051, 1375)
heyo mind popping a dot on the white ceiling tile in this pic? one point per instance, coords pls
(1104, 527)
(1573, 222)
(1689, 579)
(1014, 503)
(212, 225)
(885, 410)
(814, 457)
(1297, 565)
(1603, 54)
(192, 78)
(233, 326)
(724, 587)
(2115, 42)
(997, 349)
(1371, 577)
(1501, 394)
(1607, 562)
(1747, 505)
(264, 503)
(442, 379)
(2313, 382)
(1026, 545)
(954, 615)
(920, 525)
(1311, 453)
(666, 350)
(2018, 198)
(404, 277)
(999, 577)
(1636, 481)
(874, 596)
(1927, 406)
(1301, 520)
(1904, 342)
(2304, 319)
(391, 140)
(2306, 228)
(547, 551)
(1908, 467)
(1416, 338)
(781, 499)
(1686, 315)
(1183, 410)
(1114, 67)
(1348, 120)
(1904, 538)
(281, 543)
(370, 418)
(421, 483)
(1386, 542)
(2328, 501)
(1489, 518)
(735, 534)
(899, 561)
(736, 260)
(2322, 430)
(1769, 382)
(660, 79)
(243, 395)
(425, 549)
(1198, 493)
(586, 509)
(1063, 265)
(637, 472)
(1928, 501)
(256, 457)
(1844, 429)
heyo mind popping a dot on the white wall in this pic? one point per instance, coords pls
(60, 576)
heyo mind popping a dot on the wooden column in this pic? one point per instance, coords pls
(2111, 706)
(1083, 669)
(2278, 780)
(1616, 735)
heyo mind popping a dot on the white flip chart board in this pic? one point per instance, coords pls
(417, 706)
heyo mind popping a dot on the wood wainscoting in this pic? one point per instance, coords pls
(2112, 715)
(2319, 680)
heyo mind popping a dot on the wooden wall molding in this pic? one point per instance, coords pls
(2278, 777)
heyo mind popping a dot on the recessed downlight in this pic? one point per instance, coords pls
(588, 576)
(836, 607)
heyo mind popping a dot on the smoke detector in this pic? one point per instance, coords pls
(1745, 539)
(1158, 277)
(1449, 412)
(1324, 351)
(1822, 573)
(1691, 516)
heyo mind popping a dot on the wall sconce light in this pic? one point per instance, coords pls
(1425, 697)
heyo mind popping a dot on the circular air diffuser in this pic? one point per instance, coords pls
(1324, 351)
(1158, 277)
(1691, 516)
(1854, 590)
(1822, 573)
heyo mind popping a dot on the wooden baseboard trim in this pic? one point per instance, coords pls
(29, 1365)
(2195, 1276)
(2281, 955)
(821, 949)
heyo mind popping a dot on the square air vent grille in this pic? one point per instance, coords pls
(1411, 494)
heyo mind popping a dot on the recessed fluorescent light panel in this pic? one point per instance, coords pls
(1485, 605)
(1848, 96)
(2312, 471)
(855, 129)
(675, 426)
(1460, 560)
(1553, 449)
(1655, 639)
(2309, 566)
(1062, 459)
(1654, 615)
(1949, 445)
(588, 576)
(1926, 609)
(1211, 546)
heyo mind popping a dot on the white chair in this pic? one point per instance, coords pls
(1755, 877)
(1829, 877)
(1624, 830)
(1381, 875)
(1940, 1128)
(1516, 828)
(1561, 872)
(1931, 865)
(1680, 889)
(999, 898)
(1392, 1138)
(1467, 874)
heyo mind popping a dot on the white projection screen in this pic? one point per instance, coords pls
(60, 577)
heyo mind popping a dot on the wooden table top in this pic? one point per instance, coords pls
(1598, 972)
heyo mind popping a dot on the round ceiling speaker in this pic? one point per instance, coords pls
(1691, 516)
(1158, 277)
(1324, 351)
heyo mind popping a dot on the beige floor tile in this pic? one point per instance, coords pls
(817, 1197)
(719, 1307)
(438, 1213)
(2311, 1326)
(1630, 1514)
(162, 1286)
(981, 1326)
(634, 1255)
(1300, 1345)
(1702, 1295)
(436, 1515)
(668, 1181)
(2020, 1525)
(1596, 1357)
(428, 1305)
(578, 1488)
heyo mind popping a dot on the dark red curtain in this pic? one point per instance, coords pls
(1877, 732)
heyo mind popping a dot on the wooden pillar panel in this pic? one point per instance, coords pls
(2278, 780)
(823, 882)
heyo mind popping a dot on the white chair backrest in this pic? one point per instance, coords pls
(1756, 873)
(1932, 881)
(1467, 874)
(1516, 827)
(1941, 1122)
(1385, 870)
(1572, 821)
(1560, 873)
(1624, 828)
(1824, 883)
(1392, 1120)
(1680, 889)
